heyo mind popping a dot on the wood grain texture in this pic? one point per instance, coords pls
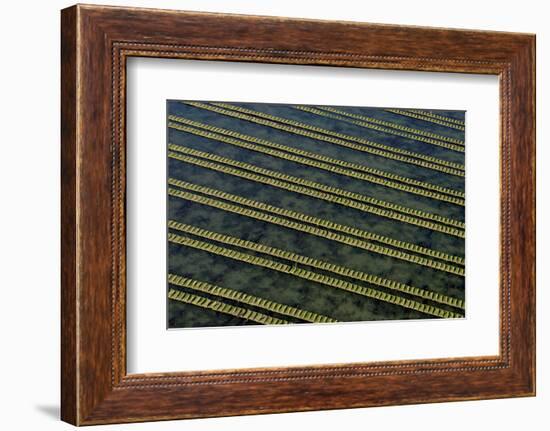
(69, 398)
(96, 41)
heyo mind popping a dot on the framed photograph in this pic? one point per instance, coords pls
(264, 215)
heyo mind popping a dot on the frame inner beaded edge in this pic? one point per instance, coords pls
(120, 380)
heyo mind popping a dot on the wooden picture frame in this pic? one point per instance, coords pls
(96, 41)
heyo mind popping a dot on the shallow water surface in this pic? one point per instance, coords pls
(300, 214)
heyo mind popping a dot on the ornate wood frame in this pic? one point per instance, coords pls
(96, 41)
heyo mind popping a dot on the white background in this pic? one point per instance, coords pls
(29, 232)
(151, 348)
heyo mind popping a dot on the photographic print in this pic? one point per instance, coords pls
(284, 214)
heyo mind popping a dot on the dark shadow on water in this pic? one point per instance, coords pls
(52, 411)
